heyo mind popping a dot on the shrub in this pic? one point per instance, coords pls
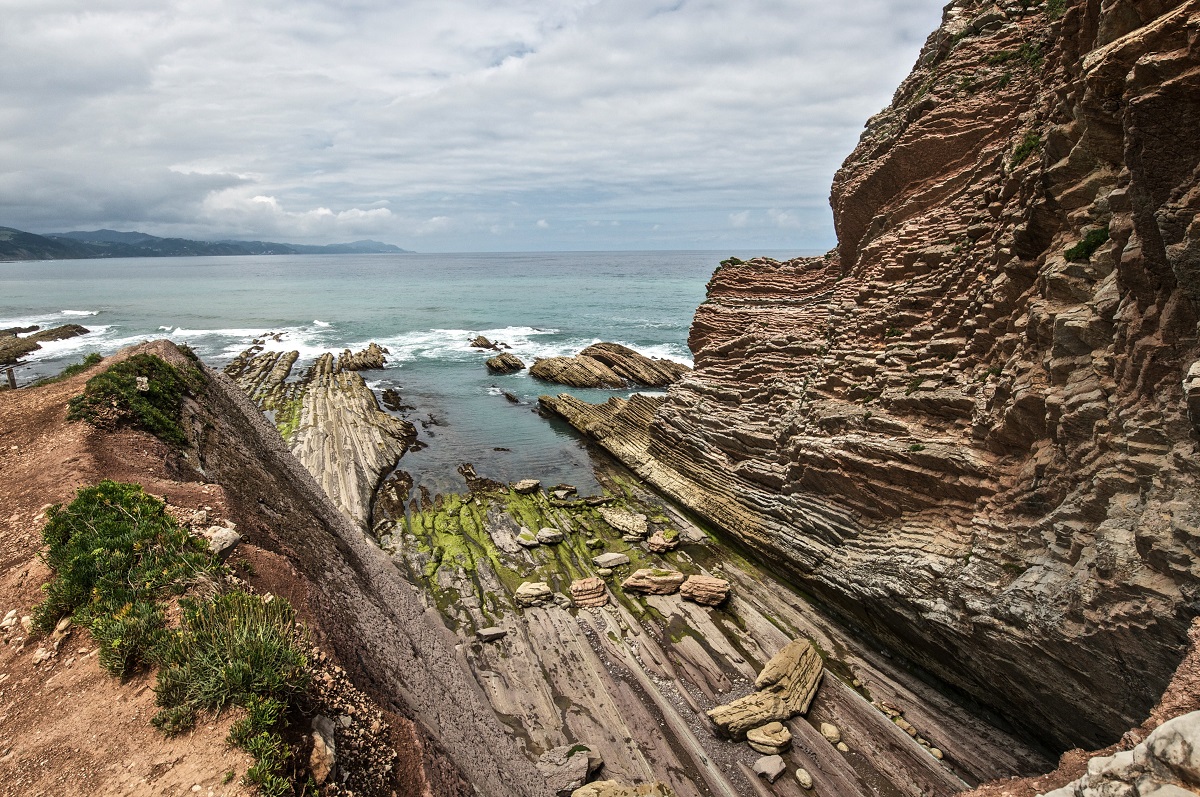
(1055, 8)
(1088, 246)
(115, 551)
(1028, 144)
(111, 398)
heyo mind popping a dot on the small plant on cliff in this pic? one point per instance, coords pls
(89, 361)
(1031, 54)
(1088, 246)
(1055, 8)
(115, 553)
(144, 392)
(732, 261)
(1028, 145)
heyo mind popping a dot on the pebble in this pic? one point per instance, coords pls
(803, 778)
(831, 733)
(843, 747)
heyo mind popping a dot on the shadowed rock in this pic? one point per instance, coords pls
(504, 363)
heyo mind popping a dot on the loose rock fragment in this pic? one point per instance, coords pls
(568, 767)
(831, 732)
(526, 486)
(706, 590)
(654, 581)
(770, 739)
(610, 560)
(663, 541)
(770, 767)
(491, 633)
(804, 778)
(787, 685)
(323, 758)
(549, 536)
(533, 593)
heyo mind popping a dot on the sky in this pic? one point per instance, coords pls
(445, 125)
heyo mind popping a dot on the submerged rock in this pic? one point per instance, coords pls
(654, 581)
(787, 686)
(706, 590)
(504, 363)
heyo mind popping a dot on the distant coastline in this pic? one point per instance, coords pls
(20, 245)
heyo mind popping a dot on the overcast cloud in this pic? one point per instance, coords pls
(444, 125)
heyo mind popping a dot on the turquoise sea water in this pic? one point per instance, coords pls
(424, 308)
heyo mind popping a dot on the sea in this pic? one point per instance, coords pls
(424, 308)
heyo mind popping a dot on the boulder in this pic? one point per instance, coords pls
(610, 560)
(662, 541)
(770, 767)
(504, 363)
(221, 541)
(568, 767)
(533, 593)
(770, 739)
(831, 732)
(706, 590)
(548, 536)
(589, 592)
(480, 342)
(527, 538)
(787, 686)
(654, 581)
(526, 486)
(628, 523)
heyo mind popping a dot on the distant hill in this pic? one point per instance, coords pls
(20, 245)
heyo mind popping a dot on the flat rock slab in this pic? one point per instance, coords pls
(770, 767)
(549, 536)
(652, 581)
(610, 560)
(632, 524)
(706, 590)
(491, 633)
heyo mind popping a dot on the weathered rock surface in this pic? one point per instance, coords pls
(491, 634)
(662, 541)
(566, 768)
(654, 581)
(1167, 764)
(965, 429)
(770, 768)
(631, 523)
(589, 592)
(608, 365)
(330, 419)
(549, 536)
(368, 359)
(610, 560)
(770, 739)
(526, 486)
(708, 590)
(613, 788)
(323, 757)
(504, 363)
(533, 593)
(787, 685)
(14, 346)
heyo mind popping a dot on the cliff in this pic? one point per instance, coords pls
(966, 430)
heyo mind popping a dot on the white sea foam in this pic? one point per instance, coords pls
(80, 312)
(319, 323)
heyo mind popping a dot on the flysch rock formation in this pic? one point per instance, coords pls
(608, 365)
(966, 428)
(632, 675)
(330, 420)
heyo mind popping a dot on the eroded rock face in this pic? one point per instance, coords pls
(330, 419)
(589, 592)
(966, 428)
(608, 365)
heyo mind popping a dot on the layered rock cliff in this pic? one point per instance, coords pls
(966, 429)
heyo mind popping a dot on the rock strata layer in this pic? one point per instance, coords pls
(14, 346)
(966, 429)
(504, 363)
(608, 365)
(330, 420)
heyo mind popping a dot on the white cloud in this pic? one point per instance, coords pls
(740, 220)
(171, 116)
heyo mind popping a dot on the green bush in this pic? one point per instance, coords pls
(1088, 246)
(1028, 144)
(111, 398)
(115, 551)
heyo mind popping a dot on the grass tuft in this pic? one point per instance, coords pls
(1088, 246)
(111, 398)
